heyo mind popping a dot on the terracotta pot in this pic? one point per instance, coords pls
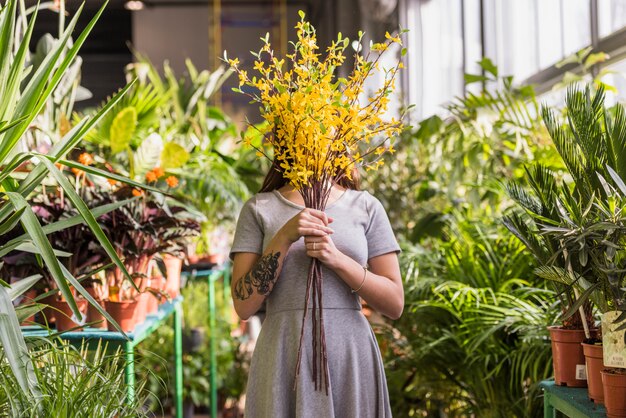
(124, 313)
(568, 359)
(143, 306)
(593, 359)
(48, 313)
(173, 267)
(158, 284)
(95, 318)
(63, 314)
(614, 382)
(152, 303)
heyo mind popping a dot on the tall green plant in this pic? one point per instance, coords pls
(472, 340)
(20, 104)
(74, 382)
(573, 225)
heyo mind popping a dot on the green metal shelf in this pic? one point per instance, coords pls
(572, 402)
(212, 275)
(130, 340)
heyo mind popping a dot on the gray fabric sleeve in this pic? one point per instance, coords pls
(249, 232)
(380, 237)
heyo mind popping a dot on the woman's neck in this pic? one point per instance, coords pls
(290, 193)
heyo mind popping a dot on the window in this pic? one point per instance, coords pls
(436, 46)
(525, 38)
(611, 16)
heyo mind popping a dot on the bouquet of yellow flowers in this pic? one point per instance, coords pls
(319, 127)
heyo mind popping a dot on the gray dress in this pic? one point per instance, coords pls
(358, 388)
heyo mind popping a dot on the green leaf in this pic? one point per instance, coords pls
(29, 247)
(64, 224)
(173, 156)
(68, 142)
(147, 155)
(594, 59)
(617, 179)
(15, 349)
(10, 223)
(90, 220)
(109, 175)
(80, 289)
(122, 129)
(582, 299)
(489, 66)
(20, 287)
(474, 78)
(33, 228)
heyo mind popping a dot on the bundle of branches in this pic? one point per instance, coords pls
(319, 128)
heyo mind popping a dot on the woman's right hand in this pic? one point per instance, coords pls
(307, 222)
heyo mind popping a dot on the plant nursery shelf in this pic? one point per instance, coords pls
(131, 340)
(571, 402)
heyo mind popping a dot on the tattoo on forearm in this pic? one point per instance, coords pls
(261, 277)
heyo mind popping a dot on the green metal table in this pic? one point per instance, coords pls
(572, 402)
(212, 276)
(130, 341)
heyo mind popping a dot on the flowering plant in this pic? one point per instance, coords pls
(319, 128)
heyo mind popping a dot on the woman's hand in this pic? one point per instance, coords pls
(323, 248)
(308, 222)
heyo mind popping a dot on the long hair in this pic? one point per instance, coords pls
(275, 179)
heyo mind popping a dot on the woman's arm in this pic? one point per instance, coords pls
(382, 288)
(254, 276)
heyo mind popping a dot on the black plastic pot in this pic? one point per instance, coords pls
(189, 409)
(193, 339)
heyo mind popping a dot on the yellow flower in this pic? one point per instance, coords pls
(314, 120)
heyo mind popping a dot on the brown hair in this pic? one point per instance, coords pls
(275, 179)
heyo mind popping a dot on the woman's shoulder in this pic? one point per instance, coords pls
(364, 199)
(262, 202)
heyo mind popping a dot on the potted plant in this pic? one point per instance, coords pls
(585, 219)
(139, 231)
(543, 212)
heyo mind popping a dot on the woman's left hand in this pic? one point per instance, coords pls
(323, 248)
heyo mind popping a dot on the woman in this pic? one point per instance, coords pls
(276, 237)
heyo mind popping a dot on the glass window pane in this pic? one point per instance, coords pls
(617, 79)
(550, 32)
(516, 37)
(473, 48)
(576, 25)
(611, 16)
(442, 53)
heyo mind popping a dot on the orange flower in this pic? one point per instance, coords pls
(77, 172)
(158, 172)
(85, 158)
(137, 192)
(171, 181)
(151, 176)
(112, 182)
